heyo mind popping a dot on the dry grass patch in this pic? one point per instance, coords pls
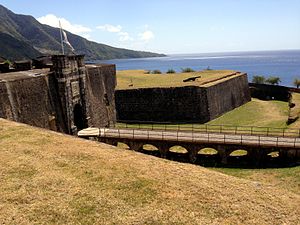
(50, 178)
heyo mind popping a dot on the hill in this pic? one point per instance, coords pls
(51, 178)
(24, 37)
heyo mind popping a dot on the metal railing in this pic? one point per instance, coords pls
(196, 137)
(206, 128)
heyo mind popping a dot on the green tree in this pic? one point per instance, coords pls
(258, 79)
(273, 80)
(187, 70)
(297, 82)
(171, 71)
(156, 72)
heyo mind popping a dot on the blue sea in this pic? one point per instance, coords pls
(283, 64)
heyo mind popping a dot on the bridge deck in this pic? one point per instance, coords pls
(194, 137)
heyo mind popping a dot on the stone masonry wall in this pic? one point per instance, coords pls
(101, 82)
(227, 95)
(6, 110)
(176, 104)
(27, 101)
(66, 99)
(182, 104)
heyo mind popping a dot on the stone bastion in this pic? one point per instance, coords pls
(191, 102)
(67, 97)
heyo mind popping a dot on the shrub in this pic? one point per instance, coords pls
(273, 80)
(156, 72)
(187, 70)
(297, 82)
(258, 79)
(171, 71)
(147, 71)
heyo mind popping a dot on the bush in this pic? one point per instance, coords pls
(297, 82)
(273, 80)
(187, 70)
(258, 79)
(156, 72)
(147, 71)
(171, 71)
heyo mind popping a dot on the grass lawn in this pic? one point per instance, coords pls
(256, 113)
(130, 79)
(288, 178)
(295, 112)
(51, 178)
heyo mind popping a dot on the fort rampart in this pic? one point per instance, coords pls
(68, 97)
(183, 104)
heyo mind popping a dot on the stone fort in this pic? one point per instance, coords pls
(67, 97)
(190, 103)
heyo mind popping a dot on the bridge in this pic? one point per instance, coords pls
(257, 146)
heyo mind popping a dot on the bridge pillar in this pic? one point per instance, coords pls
(258, 156)
(163, 149)
(193, 153)
(223, 153)
(136, 146)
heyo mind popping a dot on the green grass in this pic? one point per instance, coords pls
(256, 113)
(287, 178)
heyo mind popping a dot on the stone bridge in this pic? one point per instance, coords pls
(258, 147)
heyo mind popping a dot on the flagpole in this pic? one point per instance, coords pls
(61, 39)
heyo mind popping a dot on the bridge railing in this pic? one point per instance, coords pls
(207, 128)
(196, 137)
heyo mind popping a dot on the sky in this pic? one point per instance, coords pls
(174, 26)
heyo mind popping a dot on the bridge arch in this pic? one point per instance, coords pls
(238, 153)
(178, 153)
(207, 151)
(150, 147)
(178, 149)
(123, 145)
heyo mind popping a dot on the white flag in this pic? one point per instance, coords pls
(67, 41)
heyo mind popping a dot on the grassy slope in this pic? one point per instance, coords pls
(256, 113)
(49, 178)
(296, 110)
(138, 78)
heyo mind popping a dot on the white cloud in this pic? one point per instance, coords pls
(53, 21)
(110, 28)
(146, 35)
(123, 36)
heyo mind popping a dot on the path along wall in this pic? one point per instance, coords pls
(182, 104)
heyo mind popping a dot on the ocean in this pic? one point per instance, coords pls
(283, 64)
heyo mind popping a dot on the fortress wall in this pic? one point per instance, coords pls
(101, 82)
(5, 106)
(30, 101)
(176, 104)
(67, 98)
(227, 95)
(182, 104)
